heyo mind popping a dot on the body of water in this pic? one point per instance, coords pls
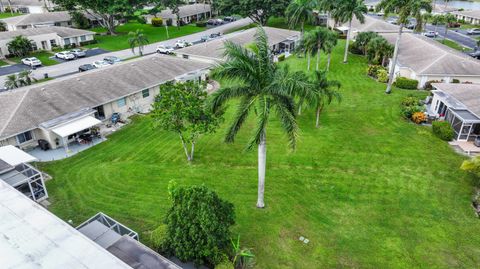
(460, 4)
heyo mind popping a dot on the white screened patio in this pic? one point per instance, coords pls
(465, 124)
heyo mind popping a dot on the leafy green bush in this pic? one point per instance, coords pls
(281, 57)
(455, 80)
(372, 70)
(354, 49)
(141, 19)
(443, 130)
(198, 225)
(157, 22)
(382, 75)
(89, 42)
(225, 265)
(410, 101)
(201, 24)
(406, 83)
(158, 235)
(408, 111)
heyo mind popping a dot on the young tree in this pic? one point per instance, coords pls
(198, 225)
(345, 12)
(362, 40)
(105, 11)
(257, 10)
(307, 46)
(426, 17)
(19, 46)
(331, 40)
(137, 39)
(448, 19)
(11, 82)
(324, 92)
(80, 20)
(404, 9)
(379, 50)
(437, 20)
(300, 12)
(264, 88)
(25, 78)
(181, 108)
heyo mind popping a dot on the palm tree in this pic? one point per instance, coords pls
(264, 88)
(345, 12)
(330, 42)
(448, 19)
(307, 46)
(325, 91)
(25, 78)
(426, 17)
(436, 20)
(379, 50)
(3, 26)
(299, 12)
(137, 39)
(405, 9)
(11, 82)
(328, 6)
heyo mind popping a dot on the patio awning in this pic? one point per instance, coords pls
(15, 156)
(75, 126)
(466, 116)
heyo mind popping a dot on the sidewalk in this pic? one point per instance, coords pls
(68, 68)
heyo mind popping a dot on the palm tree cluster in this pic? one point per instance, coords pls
(137, 39)
(23, 78)
(374, 46)
(267, 90)
(314, 42)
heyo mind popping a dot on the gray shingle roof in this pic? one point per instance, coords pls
(33, 3)
(214, 49)
(38, 18)
(429, 57)
(372, 24)
(60, 31)
(467, 94)
(26, 108)
(185, 11)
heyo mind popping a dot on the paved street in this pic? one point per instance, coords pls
(72, 66)
(457, 35)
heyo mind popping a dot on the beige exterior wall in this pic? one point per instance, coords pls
(468, 19)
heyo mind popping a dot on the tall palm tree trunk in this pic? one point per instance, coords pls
(328, 61)
(446, 32)
(308, 61)
(262, 163)
(318, 60)
(345, 56)
(394, 60)
(317, 121)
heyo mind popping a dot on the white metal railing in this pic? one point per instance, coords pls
(112, 224)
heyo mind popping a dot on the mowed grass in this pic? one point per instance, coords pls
(43, 56)
(4, 15)
(154, 34)
(368, 189)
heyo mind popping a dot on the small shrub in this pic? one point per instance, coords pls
(354, 49)
(382, 76)
(410, 101)
(89, 42)
(225, 265)
(443, 130)
(455, 80)
(141, 19)
(428, 85)
(281, 57)
(372, 70)
(157, 22)
(419, 117)
(158, 236)
(201, 24)
(406, 83)
(408, 111)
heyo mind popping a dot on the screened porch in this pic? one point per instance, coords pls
(465, 124)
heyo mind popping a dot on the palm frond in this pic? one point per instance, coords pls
(263, 113)
(220, 97)
(241, 115)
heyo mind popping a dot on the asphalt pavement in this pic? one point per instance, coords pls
(458, 35)
(71, 67)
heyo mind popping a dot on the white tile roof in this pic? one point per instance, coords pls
(467, 94)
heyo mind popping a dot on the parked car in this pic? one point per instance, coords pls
(31, 61)
(65, 55)
(112, 59)
(411, 26)
(215, 35)
(85, 67)
(205, 38)
(78, 53)
(100, 64)
(392, 20)
(215, 22)
(475, 54)
(165, 49)
(430, 34)
(455, 24)
(229, 19)
(473, 31)
(182, 44)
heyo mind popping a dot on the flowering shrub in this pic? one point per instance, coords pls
(419, 117)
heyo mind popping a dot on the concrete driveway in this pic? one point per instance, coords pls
(71, 67)
(89, 53)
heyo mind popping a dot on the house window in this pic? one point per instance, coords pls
(146, 93)
(185, 56)
(53, 43)
(25, 137)
(56, 24)
(34, 46)
(67, 41)
(122, 102)
(83, 38)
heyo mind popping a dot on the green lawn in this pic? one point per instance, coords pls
(43, 56)
(3, 63)
(8, 15)
(450, 43)
(154, 34)
(368, 189)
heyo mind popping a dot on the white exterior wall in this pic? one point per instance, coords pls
(12, 27)
(75, 40)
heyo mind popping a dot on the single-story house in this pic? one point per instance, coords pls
(371, 24)
(57, 111)
(59, 18)
(27, 6)
(46, 38)
(469, 16)
(188, 14)
(459, 104)
(281, 40)
(425, 59)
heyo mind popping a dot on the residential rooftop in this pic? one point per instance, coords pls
(467, 94)
(33, 3)
(32, 237)
(39, 18)
(185, 11)
(60, 31)
(26, 108)
(372, 24)
(426, 56)
(469, 13)
(214, 49)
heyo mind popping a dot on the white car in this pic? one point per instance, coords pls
(66, 55)
(431, 34)
(32, 61)
(78, 53)
(165, 49)
(182, 44)
(473, 31)
(100, 64)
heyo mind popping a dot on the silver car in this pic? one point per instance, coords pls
(32, 61)
(78, 53)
